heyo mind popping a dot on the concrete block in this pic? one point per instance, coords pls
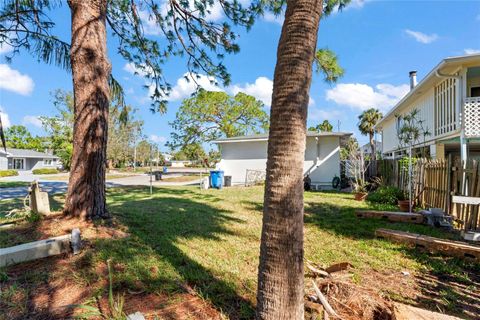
(34, 250)
(76, 241)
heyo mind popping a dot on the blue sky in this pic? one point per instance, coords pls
(378, 43)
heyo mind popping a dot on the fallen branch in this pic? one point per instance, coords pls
(317, 271)
(323, 300)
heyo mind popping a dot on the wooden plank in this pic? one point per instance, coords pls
(466, 200)
(447, 247)
(391, 216)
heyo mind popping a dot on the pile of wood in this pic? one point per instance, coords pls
(332, 295)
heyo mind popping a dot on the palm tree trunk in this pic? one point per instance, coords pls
(280, 277)
(91, 70)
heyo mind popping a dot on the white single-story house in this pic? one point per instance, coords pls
(26, 160)
(448, 102)
(245, 155)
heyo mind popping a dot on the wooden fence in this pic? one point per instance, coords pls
(434, 182)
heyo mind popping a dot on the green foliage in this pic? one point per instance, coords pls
(19, 137)
(210, 115)
(405, 163)
(368, 119)
(124, 131)
(326, 62)
(411, 128)
(59, 128)
(386, 195)
(193, 151)
(45, 171)
(325, 126)
(8, 173)
(184, 27)
(346, 150)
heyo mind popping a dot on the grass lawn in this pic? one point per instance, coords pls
(13, 184)
(207, 242)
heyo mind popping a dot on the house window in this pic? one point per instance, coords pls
(18, 164)
(47, 162)
(475, 92)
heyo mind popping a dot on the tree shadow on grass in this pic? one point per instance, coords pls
(159, 227)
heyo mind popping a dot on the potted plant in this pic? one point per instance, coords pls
(360, 190)
(403, 202)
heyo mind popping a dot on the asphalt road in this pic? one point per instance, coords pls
(53, 187)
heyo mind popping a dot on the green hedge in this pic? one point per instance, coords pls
(45, 171)
(386, 195)
(8, 173)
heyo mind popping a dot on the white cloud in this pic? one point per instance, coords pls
(361, 96)
(184, 88)
(422, 37)
(5, 119)
(132, 69)
(5, 48)
(260, 89)
(471, 51)
(32, 120)
(149, 24)
(12, 80)
(157, 139)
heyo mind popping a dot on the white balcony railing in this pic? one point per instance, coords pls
(472, 117)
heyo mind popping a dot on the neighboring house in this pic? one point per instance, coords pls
(367, 150)
(180, 163)
(448, 100)
(25, 160)
(245, 155)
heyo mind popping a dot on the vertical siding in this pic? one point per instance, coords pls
(425, 105)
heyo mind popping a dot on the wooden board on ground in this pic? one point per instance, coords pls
(447, 247)
(406, 312)
(391, 216)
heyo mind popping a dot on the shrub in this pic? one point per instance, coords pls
(8, 173)
(45, 171)
(386, 195)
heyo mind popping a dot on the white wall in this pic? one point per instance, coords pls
(3, 163)
(425, 105)
(237, 157)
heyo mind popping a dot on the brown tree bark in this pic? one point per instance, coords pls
(91, 71)
(280, 277)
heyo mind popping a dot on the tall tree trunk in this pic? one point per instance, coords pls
(280, 277)
(91, 71)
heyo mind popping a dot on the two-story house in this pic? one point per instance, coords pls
(448, 104)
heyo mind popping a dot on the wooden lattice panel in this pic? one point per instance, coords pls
(472, 117)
